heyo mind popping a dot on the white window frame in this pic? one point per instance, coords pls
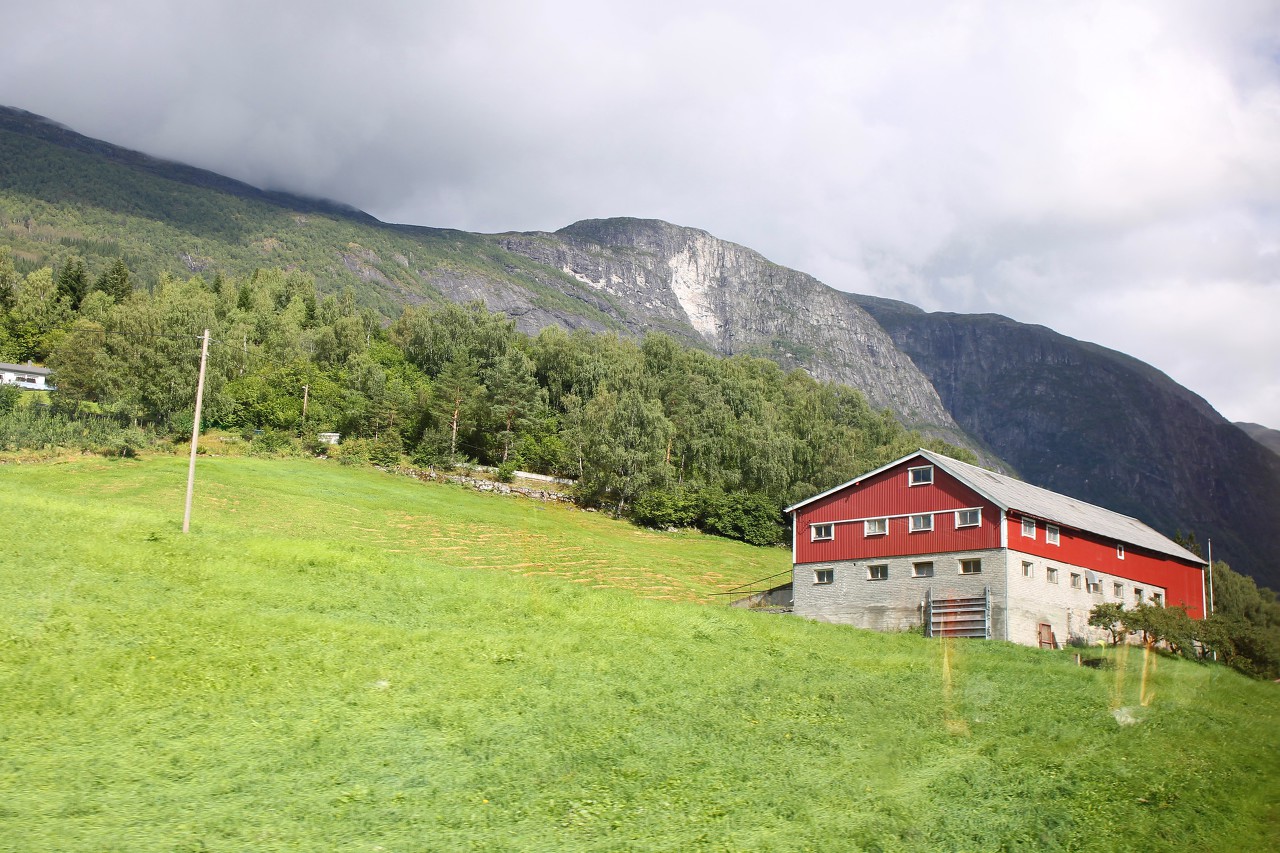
(969, 562)
(878, 572)
(868, 529)
(819, 579)
(977, 518)
(1077, 580)
(1051, 534)
(1028, 569)
(911, 476)
(822, 532)
(1117, 591)
(1051, 574)
(1119, 550)
(915, 529)
(922, 569)
(1029, 524)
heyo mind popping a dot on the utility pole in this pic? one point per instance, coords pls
(306, 390)
(195, 433)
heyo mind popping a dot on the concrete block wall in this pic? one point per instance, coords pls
(896, 603)
(1035, 600)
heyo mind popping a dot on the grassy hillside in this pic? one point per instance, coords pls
(340, 659)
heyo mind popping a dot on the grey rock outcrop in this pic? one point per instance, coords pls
(653, 276)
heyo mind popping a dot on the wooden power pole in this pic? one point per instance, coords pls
(195, 433)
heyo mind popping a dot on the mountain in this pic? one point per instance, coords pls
(1267, 437)
(1099, 425)
(1071, 416)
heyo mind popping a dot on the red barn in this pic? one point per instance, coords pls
(968, 552)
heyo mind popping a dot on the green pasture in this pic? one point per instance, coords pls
(340, 659)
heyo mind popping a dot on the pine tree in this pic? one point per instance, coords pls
(115, 281)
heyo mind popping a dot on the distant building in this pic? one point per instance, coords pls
(26, 376)
(929, 540)
(329, 437)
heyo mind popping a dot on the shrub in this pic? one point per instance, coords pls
(507, 471)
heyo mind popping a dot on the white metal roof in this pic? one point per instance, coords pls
(1011, 494)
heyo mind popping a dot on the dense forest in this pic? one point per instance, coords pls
(664, 433)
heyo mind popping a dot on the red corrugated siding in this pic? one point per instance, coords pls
(888, 494)
(1184, 583)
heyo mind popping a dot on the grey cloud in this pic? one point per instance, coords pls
(968, 156)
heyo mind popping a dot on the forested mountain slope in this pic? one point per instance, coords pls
(1070, 416)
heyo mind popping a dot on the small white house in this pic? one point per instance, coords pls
(26, 376)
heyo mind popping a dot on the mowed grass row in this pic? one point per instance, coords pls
(341, 659)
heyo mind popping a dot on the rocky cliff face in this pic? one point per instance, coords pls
(653, 276)
(1101, 426)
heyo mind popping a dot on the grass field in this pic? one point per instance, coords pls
(338, 659)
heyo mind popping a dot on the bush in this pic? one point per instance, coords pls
(385, 450)
(663, 508)
(506, 471)
(9, 396)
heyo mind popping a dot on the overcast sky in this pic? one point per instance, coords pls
(1109, 169)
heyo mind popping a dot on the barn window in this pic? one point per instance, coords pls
(1076, 581)
(1051, 534)
(877, 573)
(970, 567)
(1051, 575)
(922, 476)
(1157, 599)
(1119, 551)
(921, 523)
(1117, 589)
(1137, 594)
(1027, 569)
(823, 531)
(824, 575)
(875, 527)
(1095, 587)
(922, 570)
(1029, 528)
(968, 517)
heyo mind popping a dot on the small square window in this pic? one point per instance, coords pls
(822, 532)
(922, 570)
(1095, 587)
(921, 523)
(824, 575)
(1051, 575)
(1027, 569)
(875, 527)
(968, 517)
(1029, 528)
(970, 567)
(922, 476)
(1117, 589)
(1076, 581)
(1051, 534)
(1119, 551)
(1138, 594)
(877, 573)
(1157, 599)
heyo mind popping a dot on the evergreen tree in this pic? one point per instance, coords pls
(114, 281)
(73, 282)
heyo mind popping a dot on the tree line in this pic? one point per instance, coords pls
(664, 433)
